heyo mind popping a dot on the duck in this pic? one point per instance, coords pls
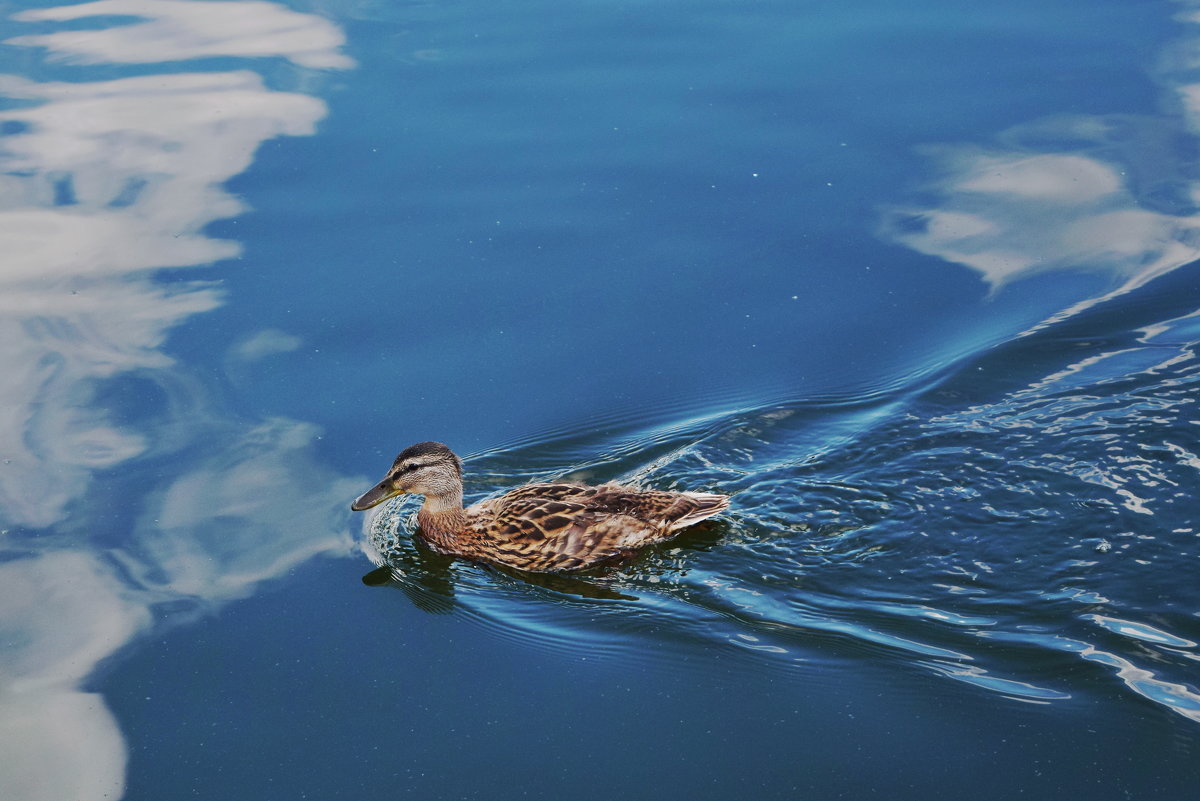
(552, 527)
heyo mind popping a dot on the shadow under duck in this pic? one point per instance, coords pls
(557, 526)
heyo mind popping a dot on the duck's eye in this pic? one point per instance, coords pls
(408, 468)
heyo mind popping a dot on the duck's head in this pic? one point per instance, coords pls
(427, 468)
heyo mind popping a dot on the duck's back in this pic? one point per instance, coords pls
(562, 526)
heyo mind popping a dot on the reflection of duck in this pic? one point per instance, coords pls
(544, 527)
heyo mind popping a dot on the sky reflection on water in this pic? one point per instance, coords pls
(110, 188)
(1111, 194)
(103, 184)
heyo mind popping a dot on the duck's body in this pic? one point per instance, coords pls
(541, 527)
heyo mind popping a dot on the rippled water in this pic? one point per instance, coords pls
(1021, 522)
(917, 286)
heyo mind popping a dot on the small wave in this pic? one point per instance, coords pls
(973, 527)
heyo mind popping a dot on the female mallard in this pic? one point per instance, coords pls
(548, 527)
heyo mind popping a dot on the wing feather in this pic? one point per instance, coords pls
(561, 526)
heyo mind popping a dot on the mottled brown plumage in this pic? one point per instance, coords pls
(542, 527)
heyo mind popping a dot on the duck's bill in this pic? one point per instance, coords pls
(374, 496)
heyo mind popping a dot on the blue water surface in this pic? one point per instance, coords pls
(917, 284)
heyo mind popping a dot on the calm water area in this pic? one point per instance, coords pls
(918, 284)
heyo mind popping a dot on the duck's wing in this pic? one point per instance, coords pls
(570, 526)
(556, 491)
(531, 531)
(661, 508)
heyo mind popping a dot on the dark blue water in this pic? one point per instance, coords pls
(919, 285)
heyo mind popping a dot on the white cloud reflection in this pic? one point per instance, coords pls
(1011, 214)
(76, 309)
(261, 344)
(1095, 194)
(174, 30)
(100, 184)
(254, 509)
(60, 613)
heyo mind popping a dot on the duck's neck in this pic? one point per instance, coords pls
(442, 516)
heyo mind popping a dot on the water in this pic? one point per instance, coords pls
(917, 286)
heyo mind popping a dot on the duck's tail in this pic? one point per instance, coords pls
(697, 506)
